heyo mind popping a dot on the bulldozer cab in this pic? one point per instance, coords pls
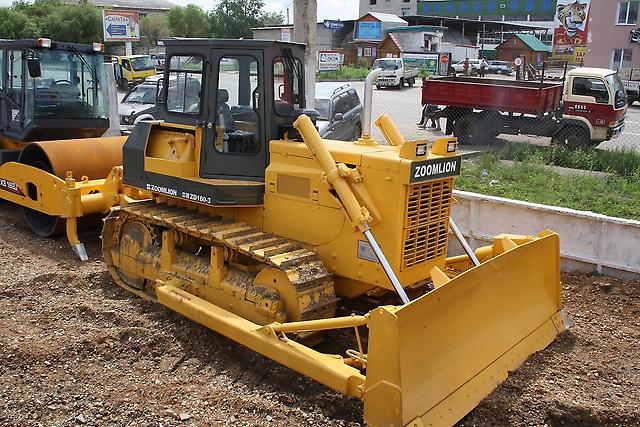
(52, 89)
(243, 94)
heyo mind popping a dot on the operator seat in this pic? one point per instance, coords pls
(224, 112)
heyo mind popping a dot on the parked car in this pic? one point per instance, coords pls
(140, 103)
(340, 111)
(474, 64)
(395, 73)
(500, 67)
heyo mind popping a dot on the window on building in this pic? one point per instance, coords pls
(621, 58)
(372, 2)
(628, 12)
(406, 1)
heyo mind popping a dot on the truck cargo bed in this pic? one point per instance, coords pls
(492, 94)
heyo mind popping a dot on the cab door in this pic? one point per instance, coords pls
(234, 142)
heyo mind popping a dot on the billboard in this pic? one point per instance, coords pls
(120, 26)
(328, 60)
(369, 30)
(570, 32)
(424, 61)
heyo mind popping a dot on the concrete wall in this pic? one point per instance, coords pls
(588, 241)
(397, 7)
(605, 35)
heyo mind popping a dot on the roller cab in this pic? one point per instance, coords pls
(53, 108)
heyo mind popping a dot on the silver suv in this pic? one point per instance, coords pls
(340, 111)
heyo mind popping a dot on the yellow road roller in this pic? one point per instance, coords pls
(54, 108)
(257, 227)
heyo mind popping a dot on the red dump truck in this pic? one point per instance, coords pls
(587, 108)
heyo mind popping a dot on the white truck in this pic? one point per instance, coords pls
(631, 79)
(395, 73)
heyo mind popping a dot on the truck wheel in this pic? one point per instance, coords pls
(572, 137)
(462, 129)
(401, 84)
(124, 84)
(412, 81)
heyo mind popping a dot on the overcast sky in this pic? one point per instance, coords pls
(327, 9)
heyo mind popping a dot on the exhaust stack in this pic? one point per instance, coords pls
(366, 139)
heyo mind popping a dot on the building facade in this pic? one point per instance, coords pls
(491, 10)
(396, 7)
(614, 35)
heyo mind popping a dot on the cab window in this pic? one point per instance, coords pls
(586, 86)
(184, 85)
(15, 75)
(288, 83)
(237, 121)
(15, 85)
(126, 65)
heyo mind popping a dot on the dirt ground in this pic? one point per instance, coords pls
(76, 349)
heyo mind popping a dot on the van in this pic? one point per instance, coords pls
(132, 69)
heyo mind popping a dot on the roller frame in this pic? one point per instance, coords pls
(66, 198)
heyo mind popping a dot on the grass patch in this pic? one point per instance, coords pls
(344, 73)
(624, 163)
(530, 181)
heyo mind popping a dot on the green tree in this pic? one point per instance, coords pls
(188, 21)
(154, 27)
(16, 24)
(81, 23)
(234, 19)
(269, 19)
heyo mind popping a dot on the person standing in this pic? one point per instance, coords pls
(465, 69)
(483, 67)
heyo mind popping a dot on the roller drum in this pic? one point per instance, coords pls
(90, 157)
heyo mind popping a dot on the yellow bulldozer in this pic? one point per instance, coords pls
(256, 227)
(232, 211)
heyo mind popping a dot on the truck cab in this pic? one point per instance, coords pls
(395, 73)
(132, 69)
(595, 102)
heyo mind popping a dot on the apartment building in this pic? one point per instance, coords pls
(614, 35)
(396, 7)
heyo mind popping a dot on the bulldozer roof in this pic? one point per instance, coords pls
(227, 43)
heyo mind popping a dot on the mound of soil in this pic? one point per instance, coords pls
(76, 349)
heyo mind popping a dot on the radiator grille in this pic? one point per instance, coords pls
(426, 224)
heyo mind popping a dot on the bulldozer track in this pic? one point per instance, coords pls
(303, 267)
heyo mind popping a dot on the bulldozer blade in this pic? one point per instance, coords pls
(433, 360)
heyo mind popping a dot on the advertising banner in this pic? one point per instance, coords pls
(328, 60)
(120, 26)
(331, 24)
(423, 61)
(570, 32)
(369, 30)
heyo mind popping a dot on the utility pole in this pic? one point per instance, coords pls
(305, 14)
